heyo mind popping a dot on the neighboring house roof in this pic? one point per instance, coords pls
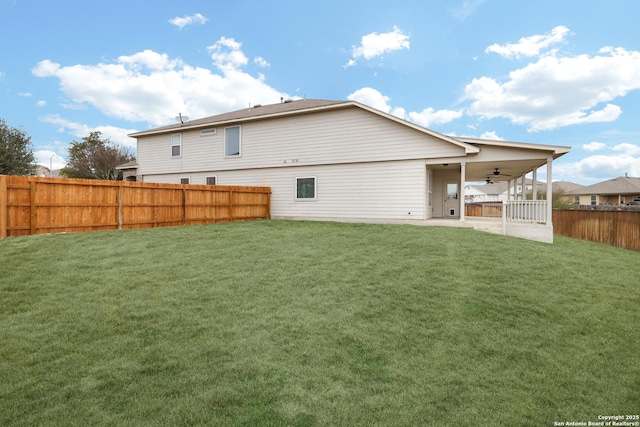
(566, 186)
(500, 187)
(133, 164)
(495, 188)
(620, 185)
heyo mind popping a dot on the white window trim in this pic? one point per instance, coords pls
(315, 189)
(178, 145)
(233, 156)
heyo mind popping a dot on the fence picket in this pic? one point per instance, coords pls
(614, 228)
(33, 205)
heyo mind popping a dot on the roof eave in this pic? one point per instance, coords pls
(555, 150)
(183, 127)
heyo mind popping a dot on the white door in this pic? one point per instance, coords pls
(451, 203)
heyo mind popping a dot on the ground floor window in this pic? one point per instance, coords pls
(594, 200)
(306, 188)
(184, 180)
(211, 180)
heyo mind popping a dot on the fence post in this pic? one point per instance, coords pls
(120, 196)
(269, 204)
(230, 205)
(32, 207)
(504, 217)
(184, 206)
(4, 208)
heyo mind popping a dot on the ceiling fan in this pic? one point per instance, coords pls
(489, 180)
(496, 173)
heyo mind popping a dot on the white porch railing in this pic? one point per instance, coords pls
(533, 211)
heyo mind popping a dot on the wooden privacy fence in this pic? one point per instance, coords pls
(484, 209)
(615, 228)
(32, 205)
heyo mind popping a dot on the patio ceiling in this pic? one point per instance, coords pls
(480, 171)
(511, 169)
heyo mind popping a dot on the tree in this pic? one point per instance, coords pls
(16, 153)
(559, 199)
(96, 158)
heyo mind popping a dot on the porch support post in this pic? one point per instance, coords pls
(523, 193)
(549, 191)
(534, 195)
(463, 178)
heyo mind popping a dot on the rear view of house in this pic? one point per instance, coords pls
(334, 160)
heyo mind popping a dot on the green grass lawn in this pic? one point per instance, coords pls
(309, 323)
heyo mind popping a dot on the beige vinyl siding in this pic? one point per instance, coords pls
(377, 191)
(344, 136)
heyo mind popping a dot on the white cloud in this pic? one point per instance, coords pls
(628, 149)
(45, 68)
(491, 135)
(466, 9)
(182, 22)
(49, 158)
(41, 103)
(226, 54)
(530, 46)
(261, 62)
(426, 117)
(429, 116)
(25, 94)
(594, 146)
(620, 160)
(374, 45)
(599, 167)
(152, 87)
(115, 134)
(558, 91)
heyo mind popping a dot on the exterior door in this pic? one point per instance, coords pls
(451, 203)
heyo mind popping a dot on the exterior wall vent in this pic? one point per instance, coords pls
(208, 132)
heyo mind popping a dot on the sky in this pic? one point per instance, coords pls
(558, 72)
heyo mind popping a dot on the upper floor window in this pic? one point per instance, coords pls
(232, 141)
(176, 145)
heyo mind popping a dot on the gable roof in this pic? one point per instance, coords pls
(258, 111)
(566, 186)
(620, 185)
(290, 108)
